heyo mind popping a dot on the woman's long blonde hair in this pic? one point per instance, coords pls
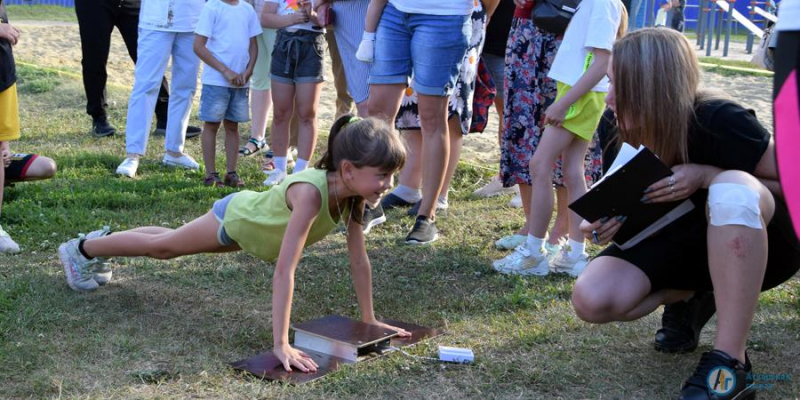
(656, 81)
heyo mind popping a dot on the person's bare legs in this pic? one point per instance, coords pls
(198, 236)
(282, 109)
(384, 101)
(456, 141)
(737, 260)
(209, 143)
(307, 101)
(231, 144)
(411, 174)
(525, 194)
(554, 141)
(260, 103)
(363, 109)
(561, 224)
(435, 150)
(40, 168)
(573, 168)
(498, 106)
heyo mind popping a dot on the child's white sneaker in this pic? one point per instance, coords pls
(510, 242)
(101, 267)
(7, 245)
(77, 268)
(494, 188)
(128, 167)
(572, 265)
(366, 51)
(516, 201)
(276, 177)
(523, 262)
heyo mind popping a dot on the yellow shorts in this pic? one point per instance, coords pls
(9, 114)
(583, 115)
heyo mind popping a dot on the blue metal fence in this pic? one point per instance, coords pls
(62, 3)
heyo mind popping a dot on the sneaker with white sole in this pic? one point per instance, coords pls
(494, 188)
(128, 167)
(523, 262)
(372, 217)
(184, 161)
(7, 245)
(77, 269)
(516, 202)
(510, 242)
(101, 267)
(276, 177)
(552, 249)
(563, 262)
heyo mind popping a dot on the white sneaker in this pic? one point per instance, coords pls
(516, 202)
(510, 242)
(276, 177)
(552, 249)
(128, 167)
(101, 267)
(184, 161)
(7, 245)
(77, 268)
(366, 51)
(573, 266)
(494, 188)
(523, 262)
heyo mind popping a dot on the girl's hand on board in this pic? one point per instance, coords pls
(603, 230)
(400, 331)
(684, 181)
(291, 357)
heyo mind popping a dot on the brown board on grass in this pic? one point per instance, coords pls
(267, 366)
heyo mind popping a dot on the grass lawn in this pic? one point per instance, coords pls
(41, 13)
(167, 329)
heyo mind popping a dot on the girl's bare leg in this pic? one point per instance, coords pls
(231, 145)
(209, 143)
(282, 110)
(198, 236)
(307, 101)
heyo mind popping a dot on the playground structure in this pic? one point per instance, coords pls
(711, 18)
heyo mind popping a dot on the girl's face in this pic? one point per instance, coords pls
(371, 183)
(610, 98)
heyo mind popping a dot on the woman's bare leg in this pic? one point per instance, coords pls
(456, 142)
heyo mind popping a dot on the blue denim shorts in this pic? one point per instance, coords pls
(298, 57)
(429, 46)
(218, 209)
(220, 102)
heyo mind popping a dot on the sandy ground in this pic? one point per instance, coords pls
(57, 45)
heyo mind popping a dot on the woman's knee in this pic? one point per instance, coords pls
(738, 198)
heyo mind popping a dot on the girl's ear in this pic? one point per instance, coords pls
(347, 169)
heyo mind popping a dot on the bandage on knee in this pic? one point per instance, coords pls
(734, 204)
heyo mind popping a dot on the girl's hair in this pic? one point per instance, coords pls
(366, 142)
(623, 23)
(656, 80)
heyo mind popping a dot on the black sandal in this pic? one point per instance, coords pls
(260, 144)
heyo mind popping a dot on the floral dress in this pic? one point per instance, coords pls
(528, 92)
(461, 100)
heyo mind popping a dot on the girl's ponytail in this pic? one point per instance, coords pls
(326, 162)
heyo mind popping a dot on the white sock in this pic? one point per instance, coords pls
(442, 200)
(576, 248)
(535, 244)
(368, 36)
(407, 193)
(280, 163)
(300, 165)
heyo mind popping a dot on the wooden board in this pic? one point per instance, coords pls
(345, 330)
(267, 366)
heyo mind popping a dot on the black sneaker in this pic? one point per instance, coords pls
(720, 377)
(373, 217)
(102, 128)
(682, 323)
(394, 201)
(441, 209)
(423, 232)
(191, 131)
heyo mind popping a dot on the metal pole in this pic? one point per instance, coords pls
(749, 46)
(731, 3)
(701, 23)
(711, 23)
(720, 27)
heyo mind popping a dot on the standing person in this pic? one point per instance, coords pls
(528, 92)
(459, 119)
(738, 240)
(358, 165)
(9, 109)
(494, 52)
(260, 93)
(579, 70)
(166, 29)
(225, 40)
(297, 74)
(96, 22)
(426, 38)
